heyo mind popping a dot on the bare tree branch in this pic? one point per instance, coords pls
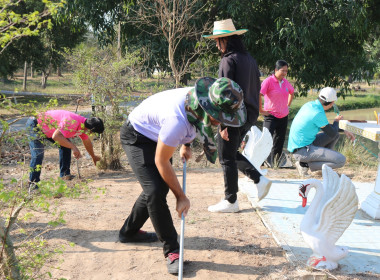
(174, 20)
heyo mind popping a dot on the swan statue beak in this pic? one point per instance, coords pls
(304, 201)
(302, 193)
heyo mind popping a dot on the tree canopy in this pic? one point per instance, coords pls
(323, 41)
(46, 47)
(16, 23)
(326, 42)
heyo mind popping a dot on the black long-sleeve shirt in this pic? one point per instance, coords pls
(242, 68)
(332, 129)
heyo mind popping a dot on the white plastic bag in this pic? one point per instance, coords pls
(258, 147)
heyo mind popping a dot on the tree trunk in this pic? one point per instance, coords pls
(31, 70)
(44, 79)
(59, 72)
(11, 263)
(25, 76)
(119, 41)
(175, 73)
(185, 78)
(177, 81)
(11, 260)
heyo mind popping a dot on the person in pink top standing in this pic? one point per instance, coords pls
(278, 95)
(59, 126)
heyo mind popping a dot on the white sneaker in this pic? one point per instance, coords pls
(301, 170)
(263, 187)
(224, 206)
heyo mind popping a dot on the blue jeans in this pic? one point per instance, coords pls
(37, 148)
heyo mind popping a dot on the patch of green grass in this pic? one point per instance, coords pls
(55, 85)
(41, 99)
(154, 85)
(362, 153)
(357, 101)
(297, 103)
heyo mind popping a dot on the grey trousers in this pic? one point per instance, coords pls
(321, 152)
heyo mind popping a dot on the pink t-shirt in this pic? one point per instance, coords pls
(276, 96)
(68, 123)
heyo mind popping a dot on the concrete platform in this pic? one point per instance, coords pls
(282, 213)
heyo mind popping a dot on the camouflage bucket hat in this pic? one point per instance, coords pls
(222, 99)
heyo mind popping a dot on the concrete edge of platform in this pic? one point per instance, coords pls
(251, 196)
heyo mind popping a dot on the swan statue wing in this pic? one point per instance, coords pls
(339, 210)
(258, 146)
(330, 183)
(330, 186)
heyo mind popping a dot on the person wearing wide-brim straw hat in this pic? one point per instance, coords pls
(238, 65)
(224, 28)
(150, 137)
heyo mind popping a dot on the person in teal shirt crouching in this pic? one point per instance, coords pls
(312, 138)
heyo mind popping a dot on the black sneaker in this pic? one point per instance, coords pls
(173, 263)
(140, 236)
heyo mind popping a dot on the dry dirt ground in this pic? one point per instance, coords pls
(217, 246)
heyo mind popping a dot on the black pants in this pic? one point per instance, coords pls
(231, 160)
(152, 202)
(277, 127)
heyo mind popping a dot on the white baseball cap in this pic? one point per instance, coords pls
(328, 94)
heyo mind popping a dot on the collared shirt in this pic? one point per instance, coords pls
(306, 124)
(68, 123)
(276, 96)
(163, 116)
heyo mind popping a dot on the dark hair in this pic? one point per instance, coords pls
(280, 64)
(324, 102)
(94, 124)
(234, 44)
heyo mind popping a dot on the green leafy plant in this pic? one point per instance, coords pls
(23, 248)
(107, 82)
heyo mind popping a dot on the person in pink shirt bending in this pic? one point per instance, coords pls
(59, 126)
(278, 95)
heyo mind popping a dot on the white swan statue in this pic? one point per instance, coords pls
(258, 147)
(329, 215)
